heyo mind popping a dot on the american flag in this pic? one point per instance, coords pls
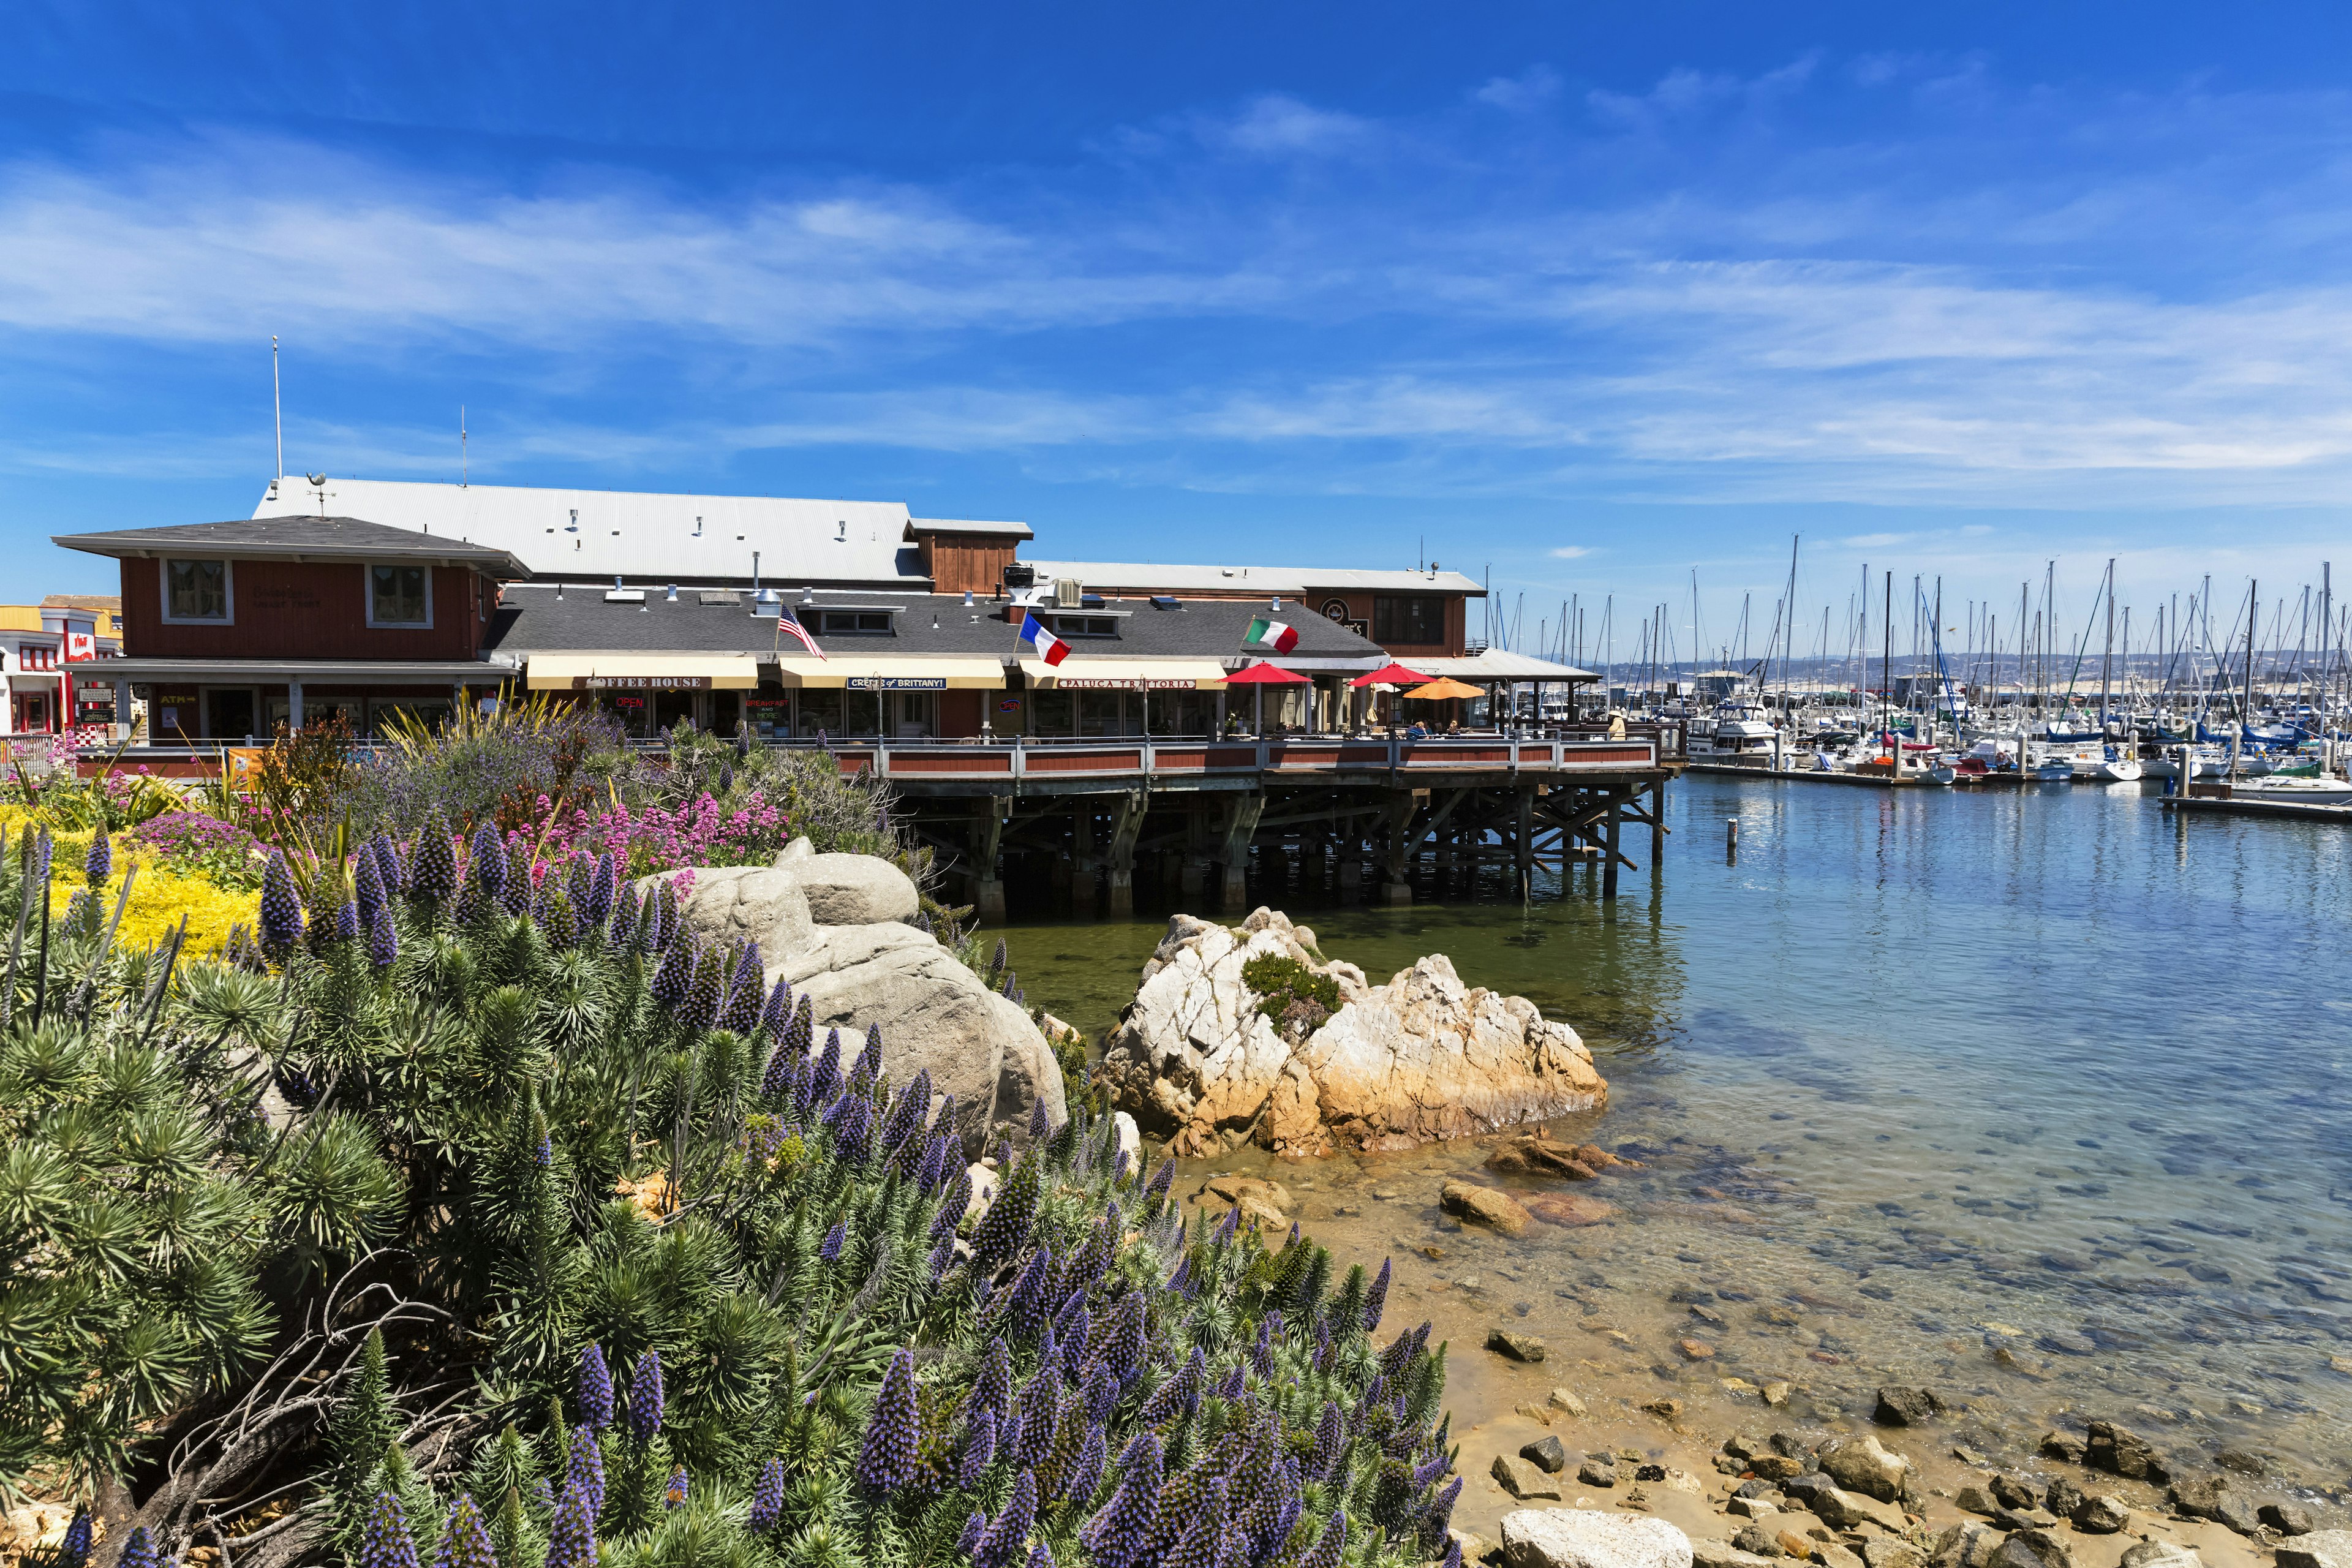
(790, 624)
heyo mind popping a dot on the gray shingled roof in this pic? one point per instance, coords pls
(531, 618)
(296, 538)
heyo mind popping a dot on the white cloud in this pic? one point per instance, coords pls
(1571, 552)
(1524, 94)
(1277, 125)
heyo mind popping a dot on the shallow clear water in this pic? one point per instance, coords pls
(2037, 1098)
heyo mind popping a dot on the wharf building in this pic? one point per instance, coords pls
(365, 598)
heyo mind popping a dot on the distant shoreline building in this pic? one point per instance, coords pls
(367, 598)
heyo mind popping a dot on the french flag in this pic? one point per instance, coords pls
(1045, 644)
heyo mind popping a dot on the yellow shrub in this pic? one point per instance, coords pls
(159, 895)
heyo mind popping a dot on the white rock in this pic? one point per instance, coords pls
(1588, 1537)
(853, 890)
(1129, 1141)
(1422, 1058)
(1864, 1464)
(2320, 1549)
(983, 1190)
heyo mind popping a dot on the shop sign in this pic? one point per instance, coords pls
(641, 683)
(1114, 683)
(897, 683)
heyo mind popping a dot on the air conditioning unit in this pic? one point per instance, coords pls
(1068, 593)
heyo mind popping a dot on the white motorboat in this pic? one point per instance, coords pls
(2300, 791)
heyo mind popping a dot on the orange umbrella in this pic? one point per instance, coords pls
(1440, 689)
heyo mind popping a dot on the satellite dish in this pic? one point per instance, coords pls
(317, 479)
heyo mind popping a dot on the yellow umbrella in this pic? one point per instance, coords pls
(1440, 689)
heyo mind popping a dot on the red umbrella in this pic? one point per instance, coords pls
(1265, 674)
(1390, 675)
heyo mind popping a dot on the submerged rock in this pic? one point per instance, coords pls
(1486, 1205)
(1422, 1058)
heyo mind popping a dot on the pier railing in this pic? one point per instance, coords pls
(1293, 758)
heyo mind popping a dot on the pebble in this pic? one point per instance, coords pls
(1517, 1346)
(1544, 1454)
(1523, 1480)
(1598, 1472)
(1756, 1540)
(1564, 1400)
(1695, 1349)
(1751, 1506)
(1775, 1395)
(1664, 1410)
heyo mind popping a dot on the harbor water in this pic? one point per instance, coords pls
(2038, 1099)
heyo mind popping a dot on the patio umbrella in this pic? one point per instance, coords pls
(1390, 675)
(1439, 691)
(1262, 675)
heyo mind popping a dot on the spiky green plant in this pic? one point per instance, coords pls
(507, 1153)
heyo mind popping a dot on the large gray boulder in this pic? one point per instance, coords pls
(1588, 1537)
(852, 890)
(835, 926)
(935, 1015)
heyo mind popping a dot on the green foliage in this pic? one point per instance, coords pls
(437, 1180)
(1296, 998)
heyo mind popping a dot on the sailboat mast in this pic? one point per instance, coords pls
(2107, 655)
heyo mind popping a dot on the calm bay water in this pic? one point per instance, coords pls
(2040, 1098)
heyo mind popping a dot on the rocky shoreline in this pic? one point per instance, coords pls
(1914, 1479)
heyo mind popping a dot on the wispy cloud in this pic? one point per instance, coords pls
(1683, 293)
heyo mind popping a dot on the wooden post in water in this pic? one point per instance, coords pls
(1609, 852)
(1730, 839)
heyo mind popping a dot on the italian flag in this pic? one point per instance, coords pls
(1280, 635)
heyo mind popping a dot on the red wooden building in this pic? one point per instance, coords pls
(230, 629)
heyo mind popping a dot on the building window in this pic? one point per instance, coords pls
(1087, 626)
(196, 591)
(35, 655)
(836, 623)
(1416, 619)
(399, 597)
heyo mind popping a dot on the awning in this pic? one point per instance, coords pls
(643, 672)
(1079, 673)
(887, 672)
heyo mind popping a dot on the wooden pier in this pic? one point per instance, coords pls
(1197, 815)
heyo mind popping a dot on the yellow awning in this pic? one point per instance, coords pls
(1080, 673)
(889, 672)
(642, 672)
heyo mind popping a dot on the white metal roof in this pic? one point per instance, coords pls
(575, 533)
(1286, 580)
(968, 525)
(1498, 664)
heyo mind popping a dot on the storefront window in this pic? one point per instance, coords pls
(1417, 618)
(1052, 714)
(820, 709)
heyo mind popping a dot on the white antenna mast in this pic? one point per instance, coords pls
(464, 473)
(277, 410)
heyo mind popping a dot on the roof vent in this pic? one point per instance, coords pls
(573, 526)
(1068, 593)
(843, 535)
(1163, 602)
(617, 594)
(769, 604)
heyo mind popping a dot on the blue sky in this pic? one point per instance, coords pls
(1588, 297)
